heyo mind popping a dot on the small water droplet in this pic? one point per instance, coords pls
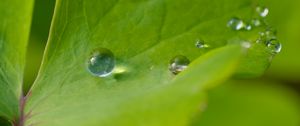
(256, 22)
(101, 62)
(262, 11)
(201, 44)
(262, 37)
(262, 33)
(236, 23)
(178, 64)
(267, 35)
(271, 33)
(274, 45)
(259, 40)
(248, 27)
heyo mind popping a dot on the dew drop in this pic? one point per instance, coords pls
(262, 11)
(274, 45)
(270, 33)
(267, 35)
(178, 64)
(201, 44)
(101, 62)
(255, 22)
(248, 27)
(236, 23)
(260, 40)
(262, 37)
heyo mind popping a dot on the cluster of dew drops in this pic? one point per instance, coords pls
(267, 37)
(101, 62)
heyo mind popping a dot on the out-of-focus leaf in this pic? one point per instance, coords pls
(250, 103)
(284, 16)
(15, 17)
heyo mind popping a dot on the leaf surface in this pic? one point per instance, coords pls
(250, 103)
(143, 35)
(15, 19)
(135, 103)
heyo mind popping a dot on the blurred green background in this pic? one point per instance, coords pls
(42, 15)
(275, 93)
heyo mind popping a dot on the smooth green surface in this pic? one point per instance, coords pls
(15, 19)
(250, 103)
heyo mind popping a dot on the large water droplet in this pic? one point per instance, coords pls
(101, 62)
(178, 64)
(262, 11)
(201, 44)
(274, 45)
(236, 23)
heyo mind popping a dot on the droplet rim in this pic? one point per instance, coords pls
(277, 46)
(236, 23)
(262, 11)
(176, 69)
(96, 52)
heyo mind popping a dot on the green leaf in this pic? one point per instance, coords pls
(15, 18)
(90, 102)
(143, 35)
(250, 103)
(255, 63)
